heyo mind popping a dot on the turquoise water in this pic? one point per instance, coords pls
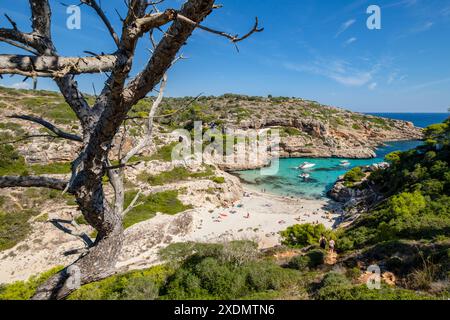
(322, 177)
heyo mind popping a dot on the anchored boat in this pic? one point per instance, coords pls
(344, 163)
(306, 165)
(304, 176)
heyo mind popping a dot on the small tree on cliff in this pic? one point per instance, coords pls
(101, 121)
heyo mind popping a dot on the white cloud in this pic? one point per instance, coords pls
(428, 84)
(340, 71)
(373, 86)
(350, 41)
(402, 3)
(445, 12)
(19, 85)
(345, 26)
(424, 27)
(395, 77)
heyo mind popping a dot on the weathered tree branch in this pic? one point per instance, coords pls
(165, 52)
(233, 38)
(60, 133)
(54, 66)
(149, 125)
(40, 18)
(18, 45)
(32, 181)
(93, 4)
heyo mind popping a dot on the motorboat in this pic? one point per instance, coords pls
(304, 176)
(344, 163)
(306, 165)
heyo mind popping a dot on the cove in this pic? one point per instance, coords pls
(322, 176)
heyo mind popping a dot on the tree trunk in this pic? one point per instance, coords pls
(95, 265)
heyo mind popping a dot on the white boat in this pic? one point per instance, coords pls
(304, 176)
(306, 165)
(344, 163)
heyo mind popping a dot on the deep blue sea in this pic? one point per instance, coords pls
(421, 120)
(322, 177)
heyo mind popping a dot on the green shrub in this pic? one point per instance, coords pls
(310, 260)
(302, 235)
(235, 253)
(335, 286)
(316, 258)
(219, 180)
(139, 285)
(14, 227)
(140, 289)
(10, 160)
(354, 175)
(299, 262)
(24, 290)
(174, 175)
(51, 168)
(164, 202)
(164, 153)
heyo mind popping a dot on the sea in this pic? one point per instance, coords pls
(323, 175)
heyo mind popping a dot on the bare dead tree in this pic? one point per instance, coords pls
(101, 122)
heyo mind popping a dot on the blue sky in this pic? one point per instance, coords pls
(314, 49)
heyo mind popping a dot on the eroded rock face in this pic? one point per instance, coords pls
(317, 139)
(356, 200)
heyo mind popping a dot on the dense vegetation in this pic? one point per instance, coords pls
(234, 270)
(417, 191)
(408, 232)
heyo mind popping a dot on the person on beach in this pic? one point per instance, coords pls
(331, 245)
(323, 242)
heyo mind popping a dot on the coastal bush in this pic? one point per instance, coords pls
(140, 289)
(219, 180)
(209, 278)
(362, 292)
(310, 260)
(14, 227)
(51, 168)
(354, 175)
(231, 270)
(166, 202)
(162, 154)
(24, 290)
(10, 160)
(233, 252)
(336, 286)
(302, 235)
(299, 262)
(134, 285)
(12, 163)
(175, 175)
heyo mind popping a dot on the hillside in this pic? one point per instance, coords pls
(406, 235)
(41, 229)
(307, 128)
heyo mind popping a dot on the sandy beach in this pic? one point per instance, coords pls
(260, 217)
(257, 216)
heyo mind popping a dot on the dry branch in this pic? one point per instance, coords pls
(60, 133)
